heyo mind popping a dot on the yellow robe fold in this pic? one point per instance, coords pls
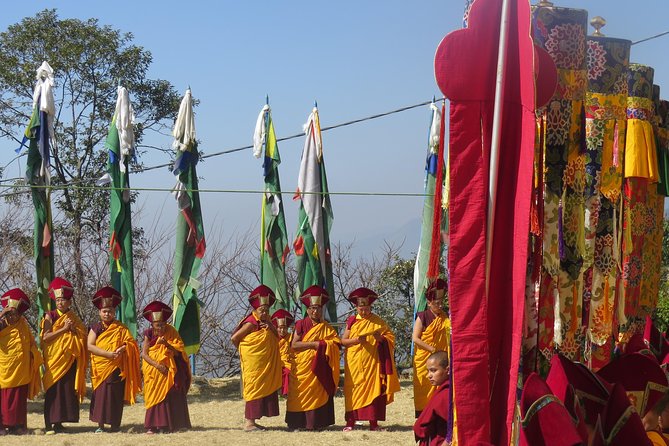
(112, 338)
(261, 364)
(437, 335)
(305, 392)
(284, 350)
(363, 379)
(60, 353)
(20, 359)
(157, 385)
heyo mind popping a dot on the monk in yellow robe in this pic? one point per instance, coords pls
(166, 372)
(370, 376)
(431, 333)
(282, 319)
(19, 363)
(314, 376)
(65, 355)
(114, 363)
(258, 344)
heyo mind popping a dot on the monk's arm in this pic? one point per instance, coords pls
(48, 334)
(145, 356)
(94, 349)
(347, 341)
(299, 345)
(240, 334)
(416, 336)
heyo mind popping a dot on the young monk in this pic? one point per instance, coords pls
(166, 373)
(65, 355)
(431, 332)
(114, 363)
(370, 376)
(258, 344)
(282, 319)
(19, 363)
(432, 423)
(314, 376)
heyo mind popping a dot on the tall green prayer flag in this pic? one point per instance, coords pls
(421, 280)
(312, 241)
(273, 235)
(120, 144)
(190, 242)
(40, 135)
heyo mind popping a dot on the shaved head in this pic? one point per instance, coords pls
(440, 357)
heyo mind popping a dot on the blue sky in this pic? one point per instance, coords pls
(356, 58)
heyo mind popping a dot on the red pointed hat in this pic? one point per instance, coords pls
(436, 290)
(545, 421)
(637, 344)
(60, 288)
(619, 423)
(282, 317)
(641, 376)
(362, 296)
(157, 311)
(17, 299)
(314, 295)
(568, 379)
(107, 297)
(655, 340)
(262, 295)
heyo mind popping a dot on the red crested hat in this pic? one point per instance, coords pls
(655, 340)
(545, 421)
(436, 290)
(641, 376)
(362, 296)
(17, 299)
(262, 295)
(637, 344)
(282, 317)
(579, 389)
(157, 311)
(107, 297)
(314, 295)
(619, 424)
(60, 288)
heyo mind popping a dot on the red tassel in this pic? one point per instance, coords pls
(435, 247)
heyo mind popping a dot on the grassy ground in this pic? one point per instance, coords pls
(217, 414)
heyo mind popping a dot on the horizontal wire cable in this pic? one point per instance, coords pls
(651, 38)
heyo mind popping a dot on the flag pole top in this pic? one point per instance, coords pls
(598, 23)
(266, 99)
(315, 104)
(545, 3)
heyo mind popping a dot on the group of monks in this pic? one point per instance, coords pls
(66, 347)
(304, 365)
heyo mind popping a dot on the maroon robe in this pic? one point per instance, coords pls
(14, 407)
(61, 401)
(171, 414)
(431, 426)
(323, 416)
(107, 399)
(262, 407)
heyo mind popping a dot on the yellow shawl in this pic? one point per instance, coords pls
(437, 335)
(156, 385)
(261, 364)
(305, 392)
(112, 338)
(20, 359)
(363, 379)
(61, 352)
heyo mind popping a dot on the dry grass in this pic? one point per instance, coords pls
(216, 411)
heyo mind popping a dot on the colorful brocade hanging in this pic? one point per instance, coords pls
(605, 111)
(641, 174)
(562, 32)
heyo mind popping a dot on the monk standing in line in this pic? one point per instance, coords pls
(314, 376)
(166, 373)
(19, 363)
(65, 359)
(282, 319)
(431, 427)
(258, 344)
(431, 333)
(114, 363)
(370, 378)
